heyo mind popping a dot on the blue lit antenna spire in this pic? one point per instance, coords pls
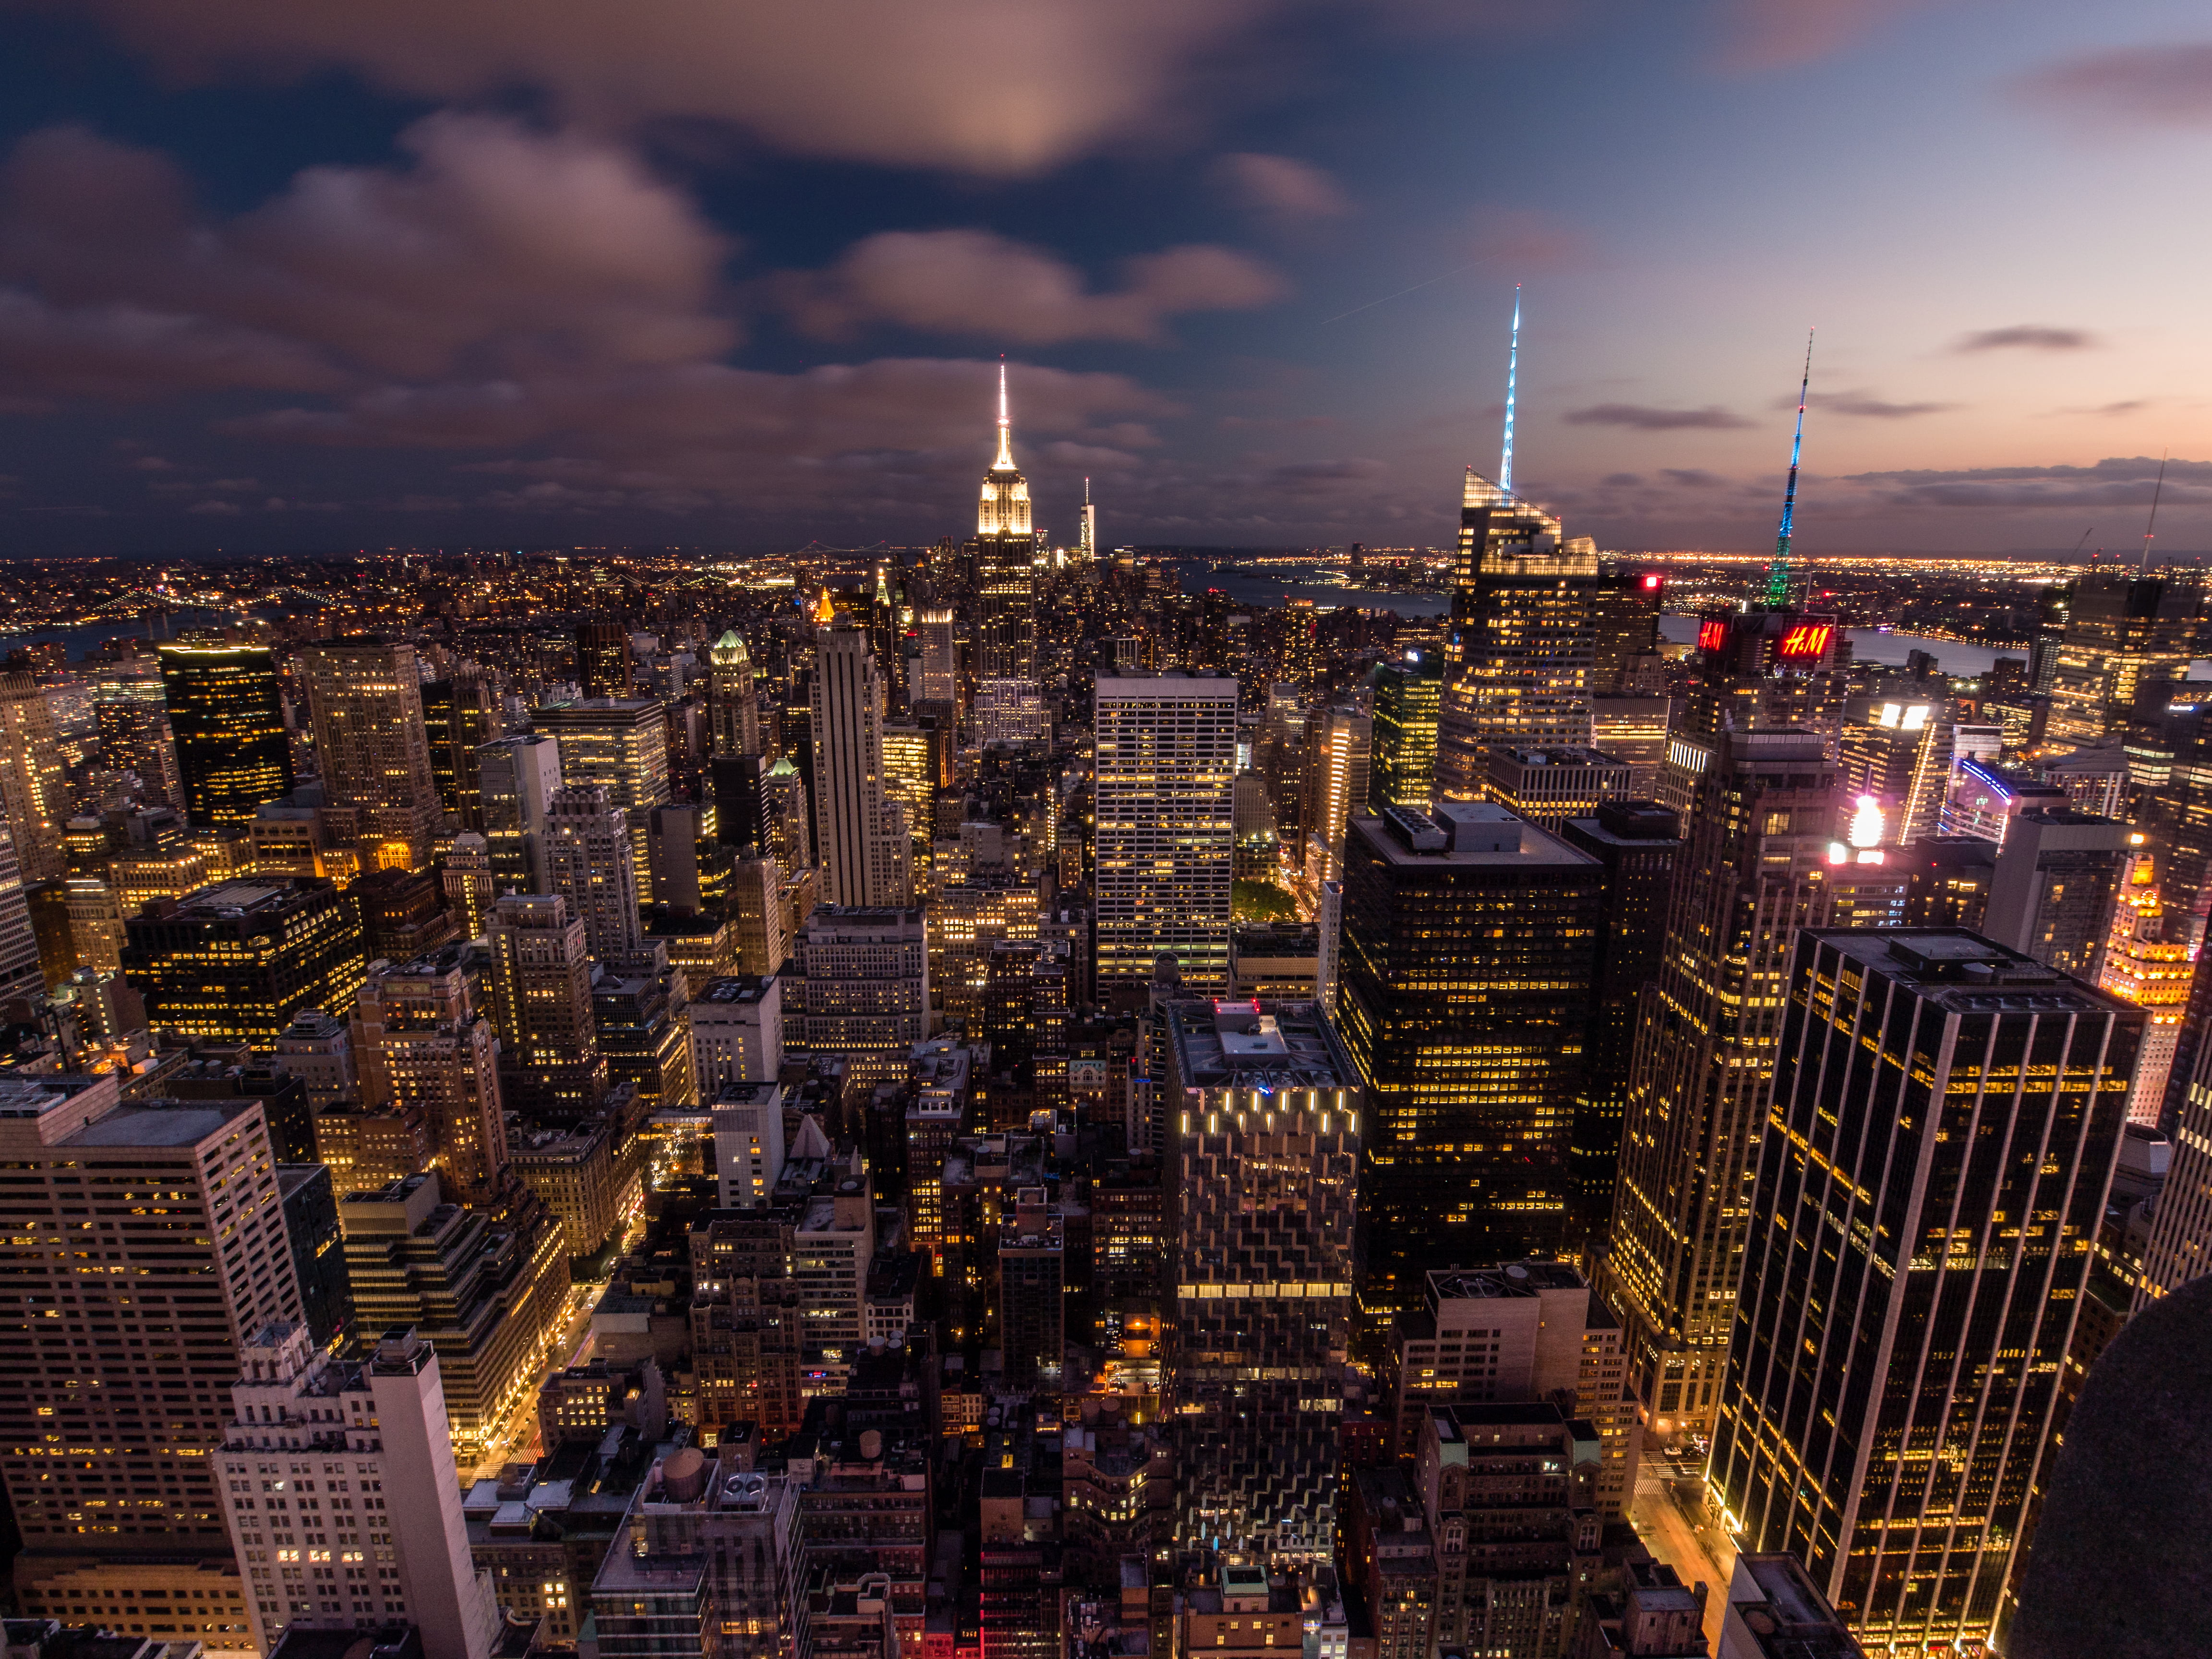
(1777, 574)
(1512, 372)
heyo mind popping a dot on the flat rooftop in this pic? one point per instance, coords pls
(149, 1125)
(1251, 1044)
(1962, 971)
(1462, 835)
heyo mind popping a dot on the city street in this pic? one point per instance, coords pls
(517, 1437)
(1675, 1534)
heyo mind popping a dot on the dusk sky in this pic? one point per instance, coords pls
(300, 275)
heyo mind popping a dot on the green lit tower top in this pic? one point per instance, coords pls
(1777, 574)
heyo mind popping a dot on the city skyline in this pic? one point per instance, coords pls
(1252, 274)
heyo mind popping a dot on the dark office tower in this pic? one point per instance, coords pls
(732, 703)
(2120, 634)
(365, 698)
(1637, 844)
(460, 716)
(1464, 981)
(1751, 871)
(603, 659)
(232, 751)
(1763, 668)
(2057, 606)
(1033, 1292)
(2052, 893)
(234, 963)
(1948, 881)
(1406, 698)
(1519, 646)
(1003, 556)
(1625, 632)
(1264, 1124)
(140, 1378)
(1948, 1114)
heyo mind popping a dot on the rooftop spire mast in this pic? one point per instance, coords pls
(1512, 373)
(1777, 574)
(1005, 461)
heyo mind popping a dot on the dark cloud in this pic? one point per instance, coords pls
(1620, 480)
(1324, 478)
(1693, 477)
(2169, 85)
(975, 86)
(1281, 187)
(2026, 337)
(1646, 417)
(2117, 481)
(2125, 406)
(1864, 405)
(975, 283)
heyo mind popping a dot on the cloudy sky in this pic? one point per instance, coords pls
(296, 274)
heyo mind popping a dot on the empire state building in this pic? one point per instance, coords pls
(1004, 559)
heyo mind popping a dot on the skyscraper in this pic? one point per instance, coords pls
(1264, 1117)
(1948, 1114)
(392, 1497)
(515, 778)
(421, 1045)
(233, 963)
(2120, 634)
(136, 1380)
(867, 986)
(941, 658)
(541, 996)
(732, 703)
(1463, 986)
(867, 859)
(460, 714)
(2057, 880)
(1344, 758)
(1519, 644)
(603, 663)
(1166, 767)
(228, 719)
(1637, 845)
(1753, 871)
(135, 736)
(621, 744)
(587, 861)
(1004, 558)
(1406, 698)
(365, 697)
(33, 793)
(1763, 668)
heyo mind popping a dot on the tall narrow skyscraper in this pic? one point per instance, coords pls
(1946, 1116)
(733, 704)
(461, 715)
(1519, 644)
(423, 1046)
(34, 793)
(1406, 698)
(603, 663)
(541, 995)
(515, 780)
(867, 860)
(365, 697)
(1004, 558)
(587, 862)
(1165, 842)
(228, 719)
(1753, 871)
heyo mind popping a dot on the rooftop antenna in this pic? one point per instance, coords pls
(2143, 563)
(1005, 461)
(1777, 574)
(1512, 373)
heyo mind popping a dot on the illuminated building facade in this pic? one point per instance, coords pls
(365, 697)
(233, 963)
(1165, 845)
(1753, 871)
(1948, 1117)
(603, 662)
(1004, 554)
(1264, 1110)
(1546, 786)
(34, 793)
(1463, 985)
(422, 1046)
(2057, 878)
(940, 660)
(621, 744)
(867, 856)
(2145, 967)
(541, 996)
(733, 702)
(2120, 633)
(1343, 759)
(587, 862)
(1899, 750)
(516, 778)
(1762, 668)
(1520, 646)
(228, 724)
(1407, 696)
(141, 1382)
(460, 714)
(867, 986)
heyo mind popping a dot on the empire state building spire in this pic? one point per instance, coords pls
(1004, 508)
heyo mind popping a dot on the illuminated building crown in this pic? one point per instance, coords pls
(1004, 509)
